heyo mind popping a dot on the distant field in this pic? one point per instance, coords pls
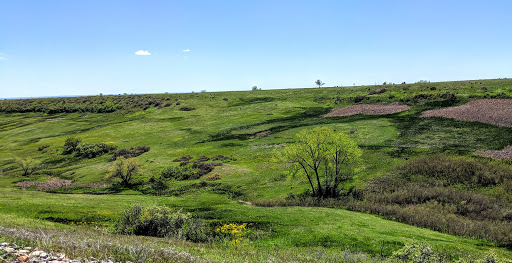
(241, 131)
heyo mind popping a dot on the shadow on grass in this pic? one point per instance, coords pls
(310, 116)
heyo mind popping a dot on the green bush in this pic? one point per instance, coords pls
(86, 150)
(70, 145)
(161, 221)
(182, 172)
(129, 153)
(418, 253)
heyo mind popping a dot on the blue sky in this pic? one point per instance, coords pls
(53, 48)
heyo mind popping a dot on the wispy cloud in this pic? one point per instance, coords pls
(142, 53)
(186, 50)
(2, 56)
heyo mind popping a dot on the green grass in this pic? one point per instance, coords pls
(229, 128)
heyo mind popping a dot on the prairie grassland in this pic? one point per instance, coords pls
(247, 127)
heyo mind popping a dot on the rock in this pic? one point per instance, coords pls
(23, 259)
(9, 250)
(43, 255)
(23, 252)
(36, 253)
(4, 244)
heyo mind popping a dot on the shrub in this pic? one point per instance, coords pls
(43, 147)
(215, 177)
(86, 150)
(427, 192)
(203, 159)
(237, 233)
(70, 145)
(359, 98)
(182, 172)
(161, 221)
(185, 108)
(223, 158)
(452, 171)
(373, 92)
(204, 168)
(418, 253)
(129, 153)
(184, 158)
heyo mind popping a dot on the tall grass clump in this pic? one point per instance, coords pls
(447, 194)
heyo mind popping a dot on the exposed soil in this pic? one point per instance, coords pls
(370, 109)
(506, 153)
(263, 133)
(493, 111)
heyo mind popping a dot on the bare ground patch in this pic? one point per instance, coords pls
(54, 184)
(370, 109)
(493, 111)
(506, 153)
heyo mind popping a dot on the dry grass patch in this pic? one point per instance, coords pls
(506, 153)
(371, 109)
(54, 184)
(493, 111)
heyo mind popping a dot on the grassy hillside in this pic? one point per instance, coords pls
(248, 127)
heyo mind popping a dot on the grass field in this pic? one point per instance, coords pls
(248, 126)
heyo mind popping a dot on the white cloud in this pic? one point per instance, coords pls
(186, 50)
(142, 53)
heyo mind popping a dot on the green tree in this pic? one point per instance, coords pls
(325, 157)
(319, 83)
(28, 166)
(125, 170)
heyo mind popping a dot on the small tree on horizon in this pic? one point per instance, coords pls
(319, 83)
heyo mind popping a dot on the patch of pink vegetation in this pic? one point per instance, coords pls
(493, 111)
(370, 109)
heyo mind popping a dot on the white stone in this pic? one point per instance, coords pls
(23, 252)
(36, 253)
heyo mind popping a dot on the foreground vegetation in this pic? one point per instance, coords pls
(211, 156)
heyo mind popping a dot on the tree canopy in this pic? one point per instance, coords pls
(319, 83)
(125, 169)
(325, 157)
